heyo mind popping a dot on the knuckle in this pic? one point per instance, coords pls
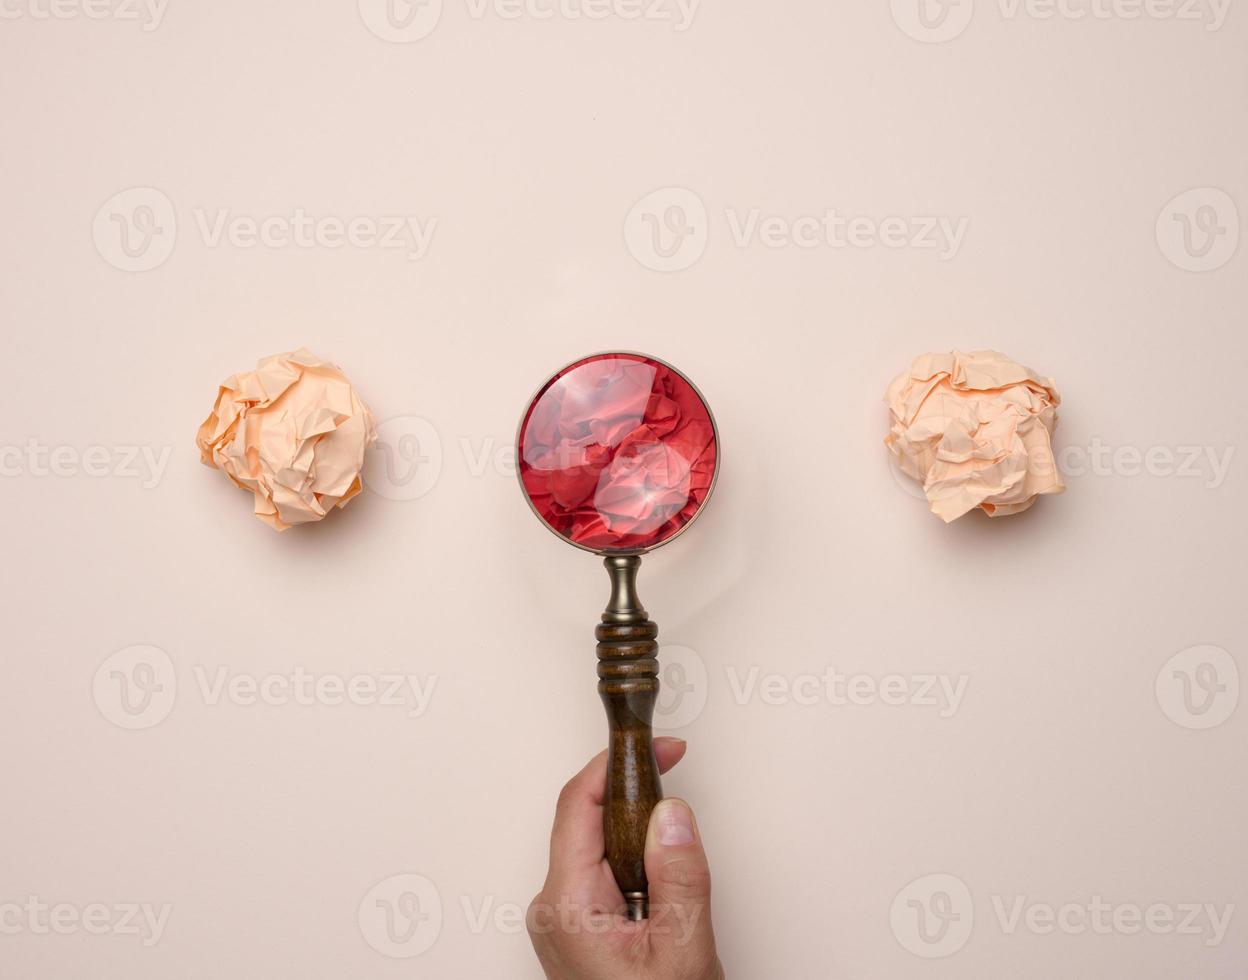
(534, 914)
(687, 876)
(567, 796)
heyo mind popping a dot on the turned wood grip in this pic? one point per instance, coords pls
(628, 682)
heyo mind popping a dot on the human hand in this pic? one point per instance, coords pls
(577, 921)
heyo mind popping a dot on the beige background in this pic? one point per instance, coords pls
(1071, 768)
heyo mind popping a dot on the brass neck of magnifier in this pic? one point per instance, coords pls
(624, 605)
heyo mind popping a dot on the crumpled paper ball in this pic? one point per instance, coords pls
(293, 432)
(975, 430)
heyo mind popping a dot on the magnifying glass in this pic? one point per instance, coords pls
(618, 454)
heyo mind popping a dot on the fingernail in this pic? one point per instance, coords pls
(675, 823)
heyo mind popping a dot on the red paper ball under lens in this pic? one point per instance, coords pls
(617, 453)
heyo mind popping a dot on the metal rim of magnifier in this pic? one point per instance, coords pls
(612, 552)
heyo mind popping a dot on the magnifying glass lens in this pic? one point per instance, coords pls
(617, 453)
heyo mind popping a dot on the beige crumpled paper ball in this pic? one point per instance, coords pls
(294, 433)
(975, 430)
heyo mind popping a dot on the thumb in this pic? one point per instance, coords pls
(680, 889)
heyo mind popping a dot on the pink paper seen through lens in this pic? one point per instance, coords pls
(617, 453)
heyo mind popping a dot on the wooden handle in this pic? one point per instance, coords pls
(628, 682)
